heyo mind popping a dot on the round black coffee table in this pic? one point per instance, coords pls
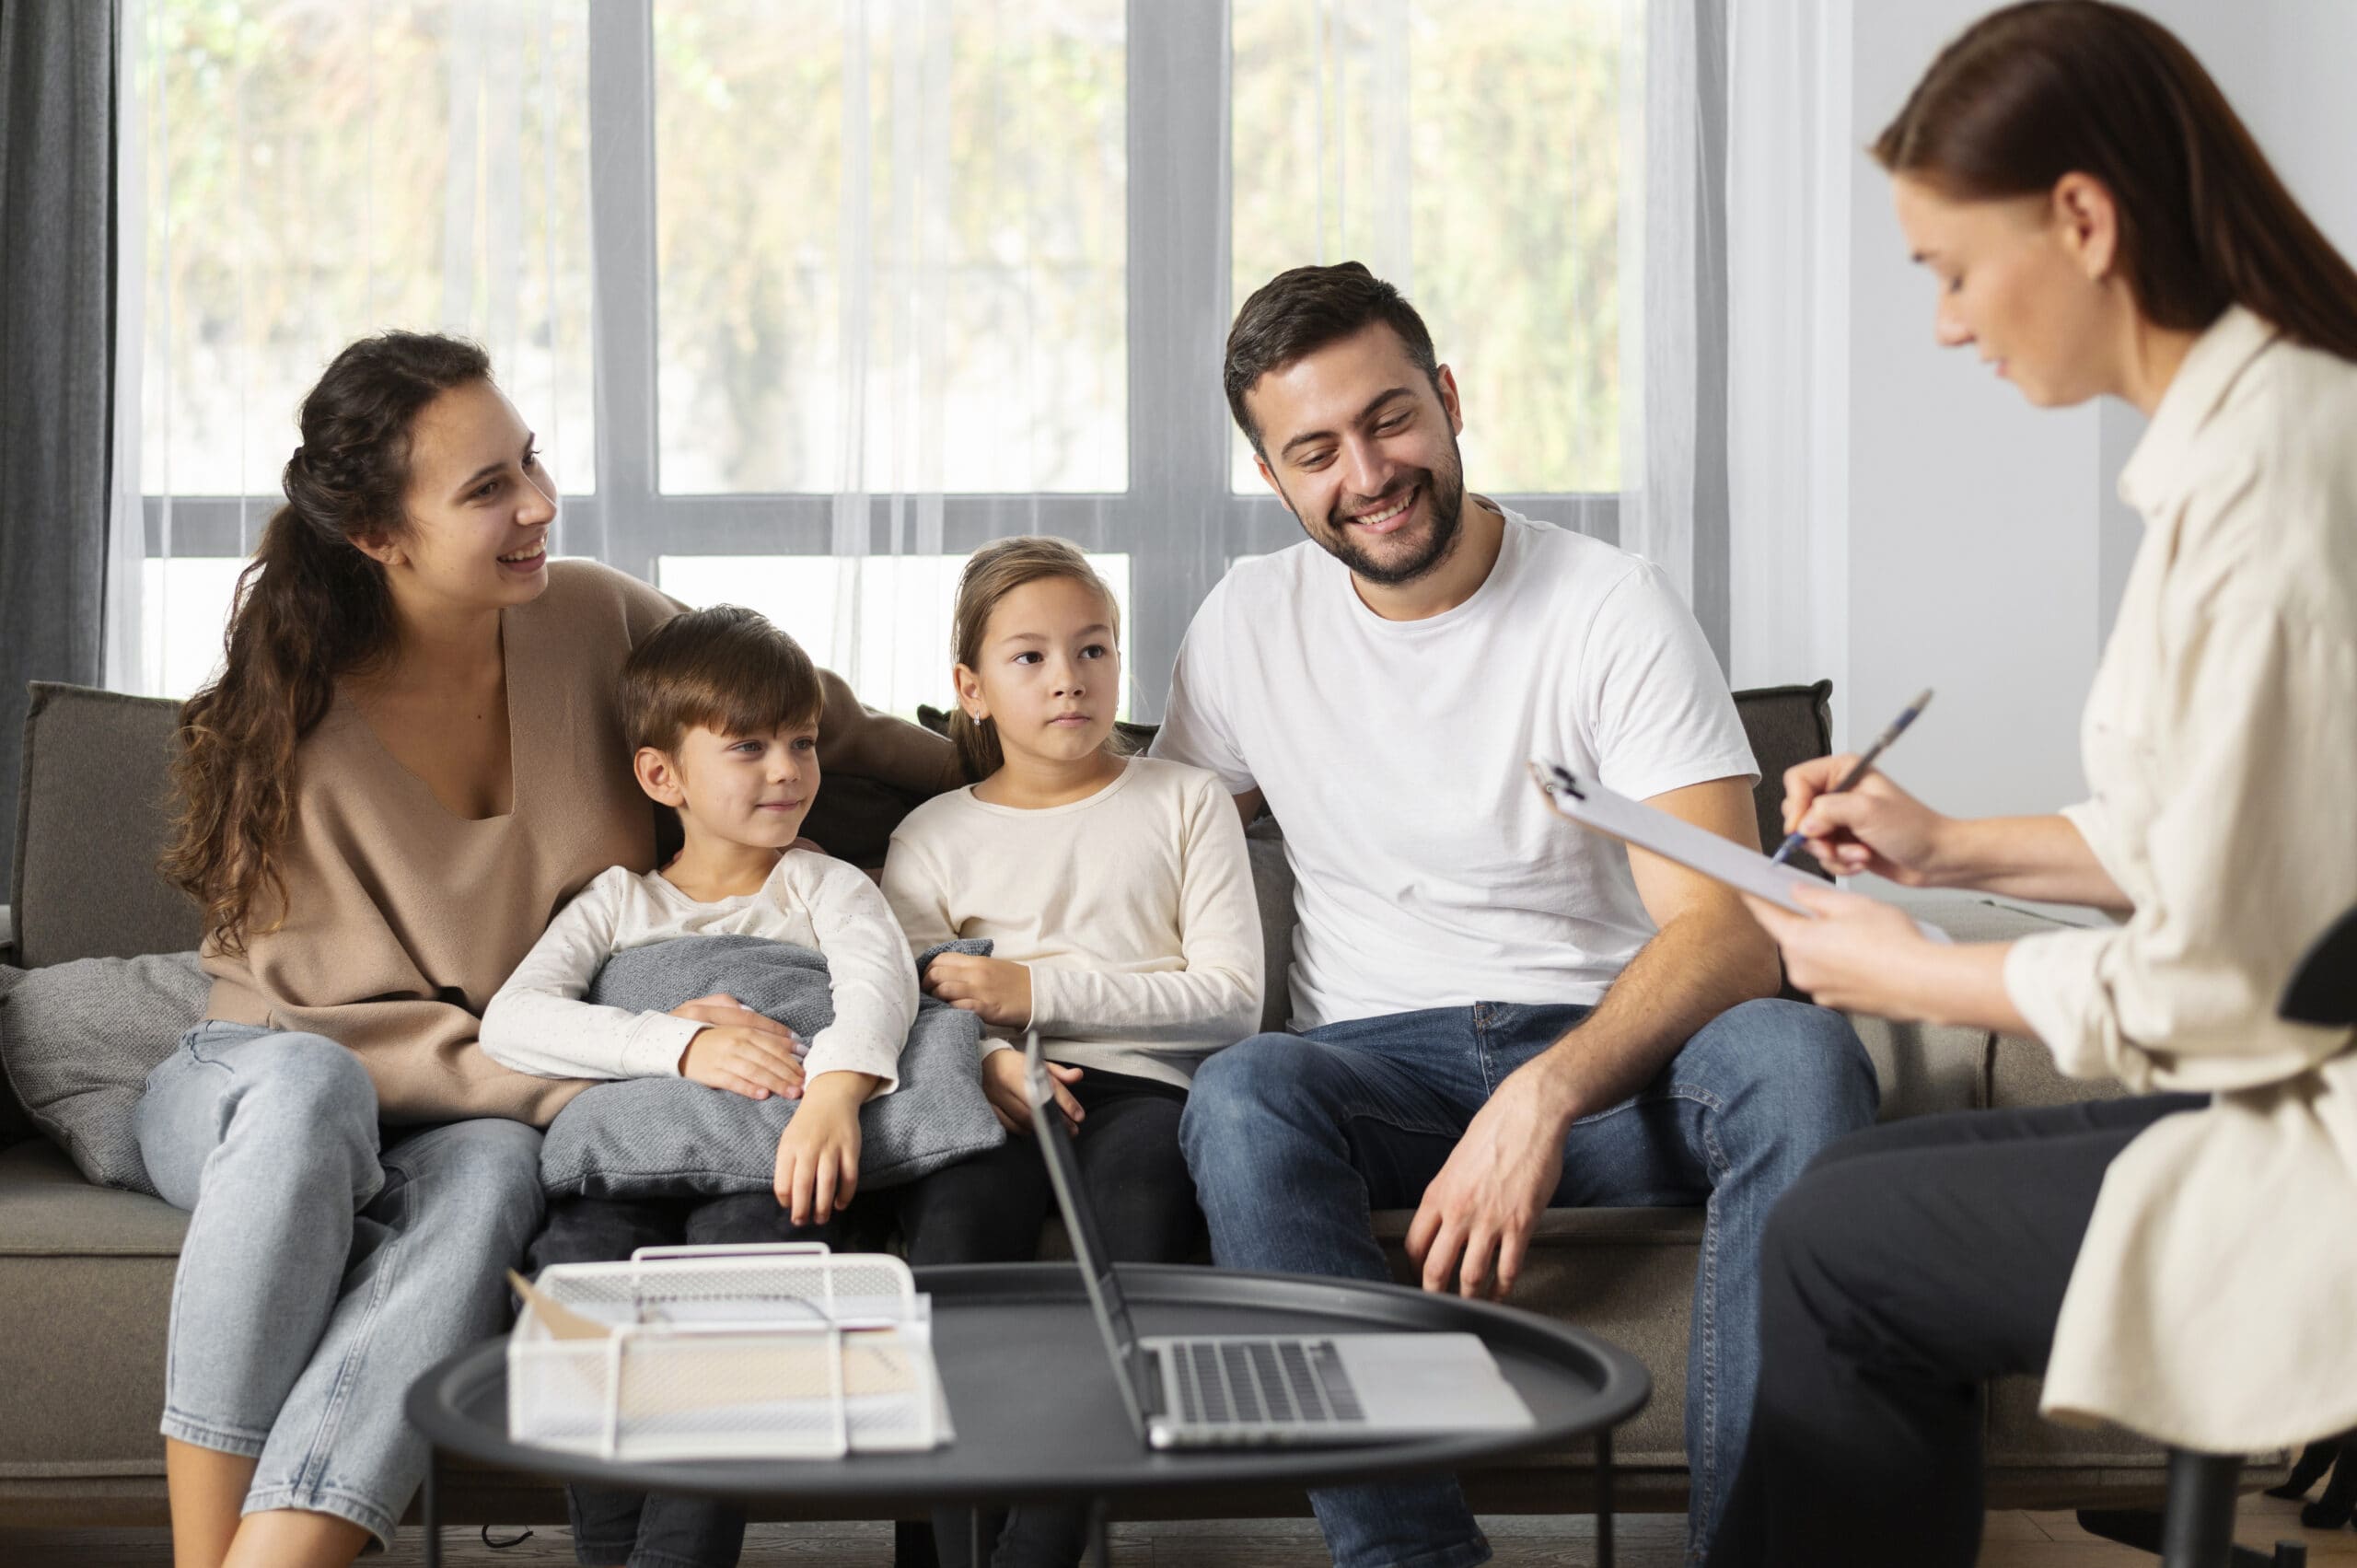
(1039, 1416)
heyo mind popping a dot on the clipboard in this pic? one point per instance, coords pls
(1581, 799)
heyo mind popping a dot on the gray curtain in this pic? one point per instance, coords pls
(57, 117)
(1712, 513)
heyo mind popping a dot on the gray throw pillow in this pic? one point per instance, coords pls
(80, 1039)
(652, 1137)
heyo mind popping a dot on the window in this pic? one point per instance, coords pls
(1503, 117)
(931, 231)
(893, 611)
(780, 279)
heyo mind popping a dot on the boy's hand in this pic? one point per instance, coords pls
(723, 1011)
(1003, 1085)
(999, 991)
(748, 1062)
(818, 1158)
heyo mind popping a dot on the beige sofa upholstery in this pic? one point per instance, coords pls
(85, 1273)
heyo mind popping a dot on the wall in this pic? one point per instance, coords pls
(1987, 545)
(1972, 549)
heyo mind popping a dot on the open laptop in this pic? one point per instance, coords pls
(1234, 1390)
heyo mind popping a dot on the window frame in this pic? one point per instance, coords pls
(1177, 128)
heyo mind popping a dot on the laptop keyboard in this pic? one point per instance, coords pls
(1263, 1383)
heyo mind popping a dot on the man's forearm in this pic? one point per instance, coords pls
(1696, 967)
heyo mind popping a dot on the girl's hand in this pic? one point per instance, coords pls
(748, 1062)
(1004, 1086)
(817, 1157)
(1857, 954)
(999, 991)
(1876, 828)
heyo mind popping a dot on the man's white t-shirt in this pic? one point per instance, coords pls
(1429, 871)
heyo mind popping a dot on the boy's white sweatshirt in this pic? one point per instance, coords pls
(538, 1022)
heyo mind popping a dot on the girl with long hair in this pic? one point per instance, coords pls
(410, 760)
(2100, 224)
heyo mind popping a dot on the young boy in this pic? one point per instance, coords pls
(721, 709)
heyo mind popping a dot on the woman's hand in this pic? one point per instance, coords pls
(1004, 1086)
(817, 1156)
(1878, 827)
(1856, 954)
(1860, 955)
(999, 991)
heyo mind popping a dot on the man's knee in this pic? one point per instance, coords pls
(1250, 1101)
(1801, 1066)
(1239, 1084)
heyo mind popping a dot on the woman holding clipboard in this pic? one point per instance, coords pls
(2099, 222)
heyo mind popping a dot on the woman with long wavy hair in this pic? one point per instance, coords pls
(411, 758)
(2100, 224)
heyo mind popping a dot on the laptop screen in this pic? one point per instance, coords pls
(1112, 1309)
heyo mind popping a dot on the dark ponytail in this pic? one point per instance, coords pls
(309, 610)
(2036, 92)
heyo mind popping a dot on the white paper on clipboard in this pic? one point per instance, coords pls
(1583, 800)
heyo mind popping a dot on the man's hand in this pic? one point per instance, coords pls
(817, 1157)
(999, 991)
(1004, 1086)
(1473, 1227)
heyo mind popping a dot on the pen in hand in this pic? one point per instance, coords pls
(1794, 840)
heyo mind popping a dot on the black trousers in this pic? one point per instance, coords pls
(989, 1209)
(656, 1529)
(1911, 1262)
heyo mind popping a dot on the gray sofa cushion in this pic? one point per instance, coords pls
(646, 1137)
(86, 1290)
(1264, 845)
(80, 1039)
(91, 822)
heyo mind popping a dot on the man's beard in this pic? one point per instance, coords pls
(1445, 488)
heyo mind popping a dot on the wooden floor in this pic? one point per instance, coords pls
(2014, 1540)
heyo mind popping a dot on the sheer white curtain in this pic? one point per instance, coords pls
(1793, 157)
(884, 307)
(873, 281)
(905, 298)
(1661, 252)
(1520, 169)
(292, 175)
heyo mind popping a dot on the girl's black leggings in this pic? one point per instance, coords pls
(989, 1209)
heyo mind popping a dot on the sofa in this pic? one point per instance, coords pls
(85, 1271)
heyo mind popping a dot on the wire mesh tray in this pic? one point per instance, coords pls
(786, 1351)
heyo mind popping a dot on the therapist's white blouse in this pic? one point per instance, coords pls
(2215, 1301)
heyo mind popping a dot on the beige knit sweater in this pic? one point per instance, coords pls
(401, 920)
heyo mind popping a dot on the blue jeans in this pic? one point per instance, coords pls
(1293, 1139)
(321, 1274)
